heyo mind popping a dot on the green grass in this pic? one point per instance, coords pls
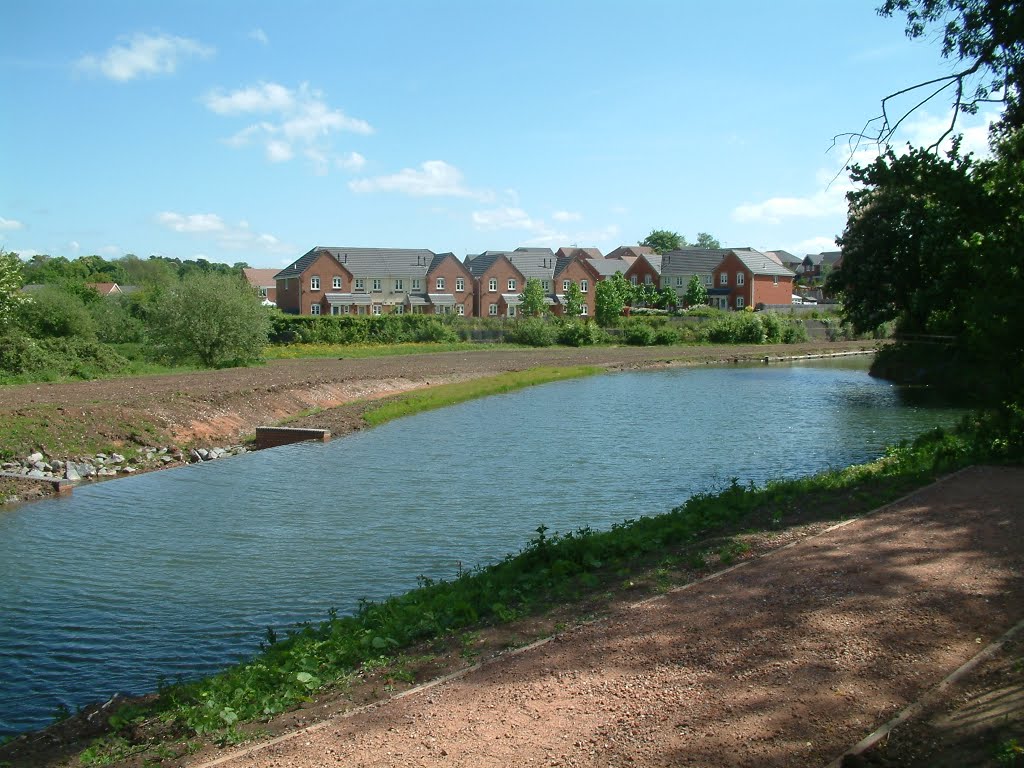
(47, 426)
(449, 394)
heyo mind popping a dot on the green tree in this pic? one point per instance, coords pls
(214, 318)
(55, 313)
(574, 300)
(11, 297)
(610, 296)
(696, 292)
(534, 301)
(667, 297)
(663, 240)
(704, 240)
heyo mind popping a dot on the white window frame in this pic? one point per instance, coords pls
(492, 285)
(739, 302)
(723, 278)
(632, 279)
(708, 280)
(648, 280)
(546, 285)
(511, 285)
(584, 286)
(741, 279)
(416, 284)
(775, 279)
(460, 283)
(565, 285)
(511, 310)
(360, 285)
(399, 283)
(679, 281)
(583, 311)
(439, 284)
(345, 310)
(399, 309)
(314, 283)
(336, 283)
(314, 309)
(262, 292)
(492, 310)
(460, 310)
(376, 285)
(376, 309)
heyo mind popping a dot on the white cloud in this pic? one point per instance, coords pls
(814, 245)
(259, 36)
(195, 222)
(74, 246)
(827, 202)
(279, 151)
(142, 54)
(296, 120)
(434, 178)
(8, 225)
(566, 216)
(233, 237)
(352, 161)
(508, 217)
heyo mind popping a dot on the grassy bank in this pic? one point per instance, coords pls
(576, 572)
(450, 394)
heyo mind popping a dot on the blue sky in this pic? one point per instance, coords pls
(252, 131)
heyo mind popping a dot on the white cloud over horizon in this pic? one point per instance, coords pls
(296, 120)
(566, 216)
(230, 237)
(9, 225)
(259, 36)
(141, 54)
(433, 178)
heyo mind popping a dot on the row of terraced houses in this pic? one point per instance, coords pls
(374, 281)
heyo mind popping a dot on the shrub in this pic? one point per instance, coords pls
(734, 328)
(114, 323)
(772, 325)
(435, 331)
(794, 332)
(638, 334)
(578, 333)
(54, 312)
(58, 357)
(533, 332)
(666, 337)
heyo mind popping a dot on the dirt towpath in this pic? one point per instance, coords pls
(784, 660)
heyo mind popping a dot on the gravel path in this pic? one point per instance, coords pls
(785, 660)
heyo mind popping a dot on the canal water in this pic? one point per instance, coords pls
(177, 573)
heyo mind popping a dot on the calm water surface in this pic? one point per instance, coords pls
(177, 573)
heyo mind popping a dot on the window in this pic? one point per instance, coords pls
(632, 279)
(511, 310)
(376, 309)
(460, 283)
(492, 310)
(723, 278)
(679, 281)
(565, 285)
(775, 279)
(511, 284)
(263, 292)
(739, 302)
(740, 278)
(492, 284)
(314, 283)
(460, 309)
(399, 285)
(399, 309)
(360, 285)
(584, 286)
(376, 288)
(346, 309)
(707, 280)
(439, 283)
(584, 310)
(546, 285)
(336, 283)
(416, 284)
(314, 309)
(647, 280)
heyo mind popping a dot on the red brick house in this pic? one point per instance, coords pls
(498, 284)
(646, 270)
(450, 286)
(301, 286)
(579, 270)
(263, 281)
(752, 278)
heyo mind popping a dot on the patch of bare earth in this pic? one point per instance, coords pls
(786, 660)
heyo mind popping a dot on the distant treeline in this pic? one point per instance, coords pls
(127, 270)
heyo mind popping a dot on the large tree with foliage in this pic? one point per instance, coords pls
(11, 297)
(215, 319)
(610, 296)
(533, 300)
(696, 292)
(663, 240)
(704, 240)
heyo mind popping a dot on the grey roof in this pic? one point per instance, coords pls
(343, 299)
(831, 257)
(417, 300)
(479, 263)
(512, 299)
(531, 262)
(441, 298)
(630, 250)
(693, 261)
(785, 257)
(759, 264)
(655, 260)
(608, 267)
(368, 262)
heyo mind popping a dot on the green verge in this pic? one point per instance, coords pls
(564, 568)
(450, 394)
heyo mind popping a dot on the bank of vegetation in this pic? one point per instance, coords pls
(396, 638)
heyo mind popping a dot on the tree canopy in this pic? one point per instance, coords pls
(534, 301)
(663, 240)
(11, 297)
(704, 240)
(696, 292)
